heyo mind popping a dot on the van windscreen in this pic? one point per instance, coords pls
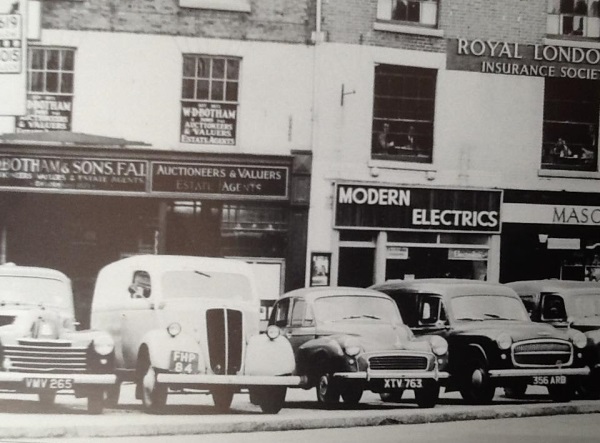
(206, 285)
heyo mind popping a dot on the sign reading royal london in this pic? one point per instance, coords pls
(497, 57)
(69, 173)
(220, 179)
(208, 123)
(412, 208)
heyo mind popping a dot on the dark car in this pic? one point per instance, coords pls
(568, 304)
(347, 340)
(492, 341)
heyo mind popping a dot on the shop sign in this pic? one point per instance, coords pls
(497, 57)
(467, 254)
(551, 214)
(220, 179)
(397, 253)
(46, 112)
(564, 243)
(208, 123)
(11, 42)
(414, 208)
(72, 173)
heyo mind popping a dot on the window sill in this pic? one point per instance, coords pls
(401, 165)
(219, 5)
(572, 43)
(406, 29)
(561, 173)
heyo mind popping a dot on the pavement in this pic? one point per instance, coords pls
(190, 413)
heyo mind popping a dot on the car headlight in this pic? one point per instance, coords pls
(174, 329)
(578, 338)
(439, 345)
(103, 344)
(273, 332)
(352, 347)
(504, 341)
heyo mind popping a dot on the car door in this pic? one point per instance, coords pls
(301, 326)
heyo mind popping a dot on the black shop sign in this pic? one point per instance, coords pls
(416, 208)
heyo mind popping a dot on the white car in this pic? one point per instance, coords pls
(191, 322)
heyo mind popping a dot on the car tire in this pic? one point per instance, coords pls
(327, 392)
(351, 394)
(111, 399)
(476, 386)
(47, 398)
(392, 397)
(428, 395)
(154, 395)
(561, 393)
(95, 401)
(589, 387)
(515, 390)
(270, 398)
(222, 398)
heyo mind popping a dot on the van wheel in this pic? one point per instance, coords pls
(47, 398)
(154, 395)
(95, 401)
(222, 398)
(476, 386)
(270, 398)
(113, 392)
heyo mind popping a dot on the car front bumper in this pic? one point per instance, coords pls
(18, 378)
(534, 372)
(232, 380)
(379, 375)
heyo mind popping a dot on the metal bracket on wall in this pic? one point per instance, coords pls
(345, 93)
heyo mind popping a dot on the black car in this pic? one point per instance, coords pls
(492, 341)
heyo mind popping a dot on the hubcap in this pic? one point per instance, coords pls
(477, 377)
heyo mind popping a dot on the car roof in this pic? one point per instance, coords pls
(161, 263)
(446, 286)
(314, 292)
(13, 270)
(566, 287)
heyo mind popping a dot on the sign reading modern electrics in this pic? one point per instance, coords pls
(413, 208)
(69, 173)
(496, 57)
(46, 113)
(220, 179)
(208, 123)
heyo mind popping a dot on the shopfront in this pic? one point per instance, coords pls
(550, 235)
(77, 209)
(408, 232)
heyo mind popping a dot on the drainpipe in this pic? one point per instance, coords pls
(318, 18)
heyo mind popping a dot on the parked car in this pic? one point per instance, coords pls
(40, 349)
(492, 341)
(568, 304)
(191, 322)
(347, 340)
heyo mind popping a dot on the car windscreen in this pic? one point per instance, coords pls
(30, 290)
(585, 306)
(206, 285)
(354, 308)
(488, 307)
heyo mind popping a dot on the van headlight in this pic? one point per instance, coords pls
(439, 345)
(174, 329)
(504, 341)
(103, 345)
(273, 332)
(578, 338)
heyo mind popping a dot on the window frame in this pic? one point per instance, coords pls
(45, 70)
(562, 16)
(386, 9)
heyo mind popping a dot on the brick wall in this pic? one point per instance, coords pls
(270, 20)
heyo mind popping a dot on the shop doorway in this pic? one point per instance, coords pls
(356, 267)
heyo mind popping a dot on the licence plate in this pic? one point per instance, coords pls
(402, 383)
(184, 362)
(546, 380)
(50, 384)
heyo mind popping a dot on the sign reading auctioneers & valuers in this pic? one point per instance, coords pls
(415, 208)
(540, 60)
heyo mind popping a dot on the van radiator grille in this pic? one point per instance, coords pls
(224, 332)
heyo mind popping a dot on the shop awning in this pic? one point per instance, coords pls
(67, 138)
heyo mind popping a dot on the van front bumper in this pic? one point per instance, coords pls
(232, 380)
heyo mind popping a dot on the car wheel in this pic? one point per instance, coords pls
(113, 392)
(392, 397)
(47, 398)
(95, 401)
(589, 386)
(222, 398)
(327, 392)
(351, 394)
(476, 386)
(428, 395)
(515, 390)
(154, 395)
(560, 393)
(270, 398)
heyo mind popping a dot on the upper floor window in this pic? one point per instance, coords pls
(209, 99)
(574, 18)
(403, 113)
(419, 12)
(571, 112)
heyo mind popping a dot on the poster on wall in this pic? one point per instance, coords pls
(320, 268)
(208, 123)
(46, 112)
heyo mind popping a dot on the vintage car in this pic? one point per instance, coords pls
(347, 340)
(492, 341)
(568, 304)
(40, 349)
(183, 322)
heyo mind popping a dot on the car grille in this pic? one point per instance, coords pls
(46, 356)
(398, 362)
(552, 353)
(224, 332)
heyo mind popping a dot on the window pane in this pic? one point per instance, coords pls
(231, 94)
(68, 60)
(233, 69)
(202, 89)
(414, 12)
(203, 70)
(37, 82)
(52, 82)
(216, 92)
(218, 68)
(189, 66)
(66, 84)
(37, 59)
(53, 60)
(188, 89)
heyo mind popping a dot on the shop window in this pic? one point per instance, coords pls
(243, 217)
(209, 99)
(574, 18)
(413, 12)
(570, 138)
(403, 113)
